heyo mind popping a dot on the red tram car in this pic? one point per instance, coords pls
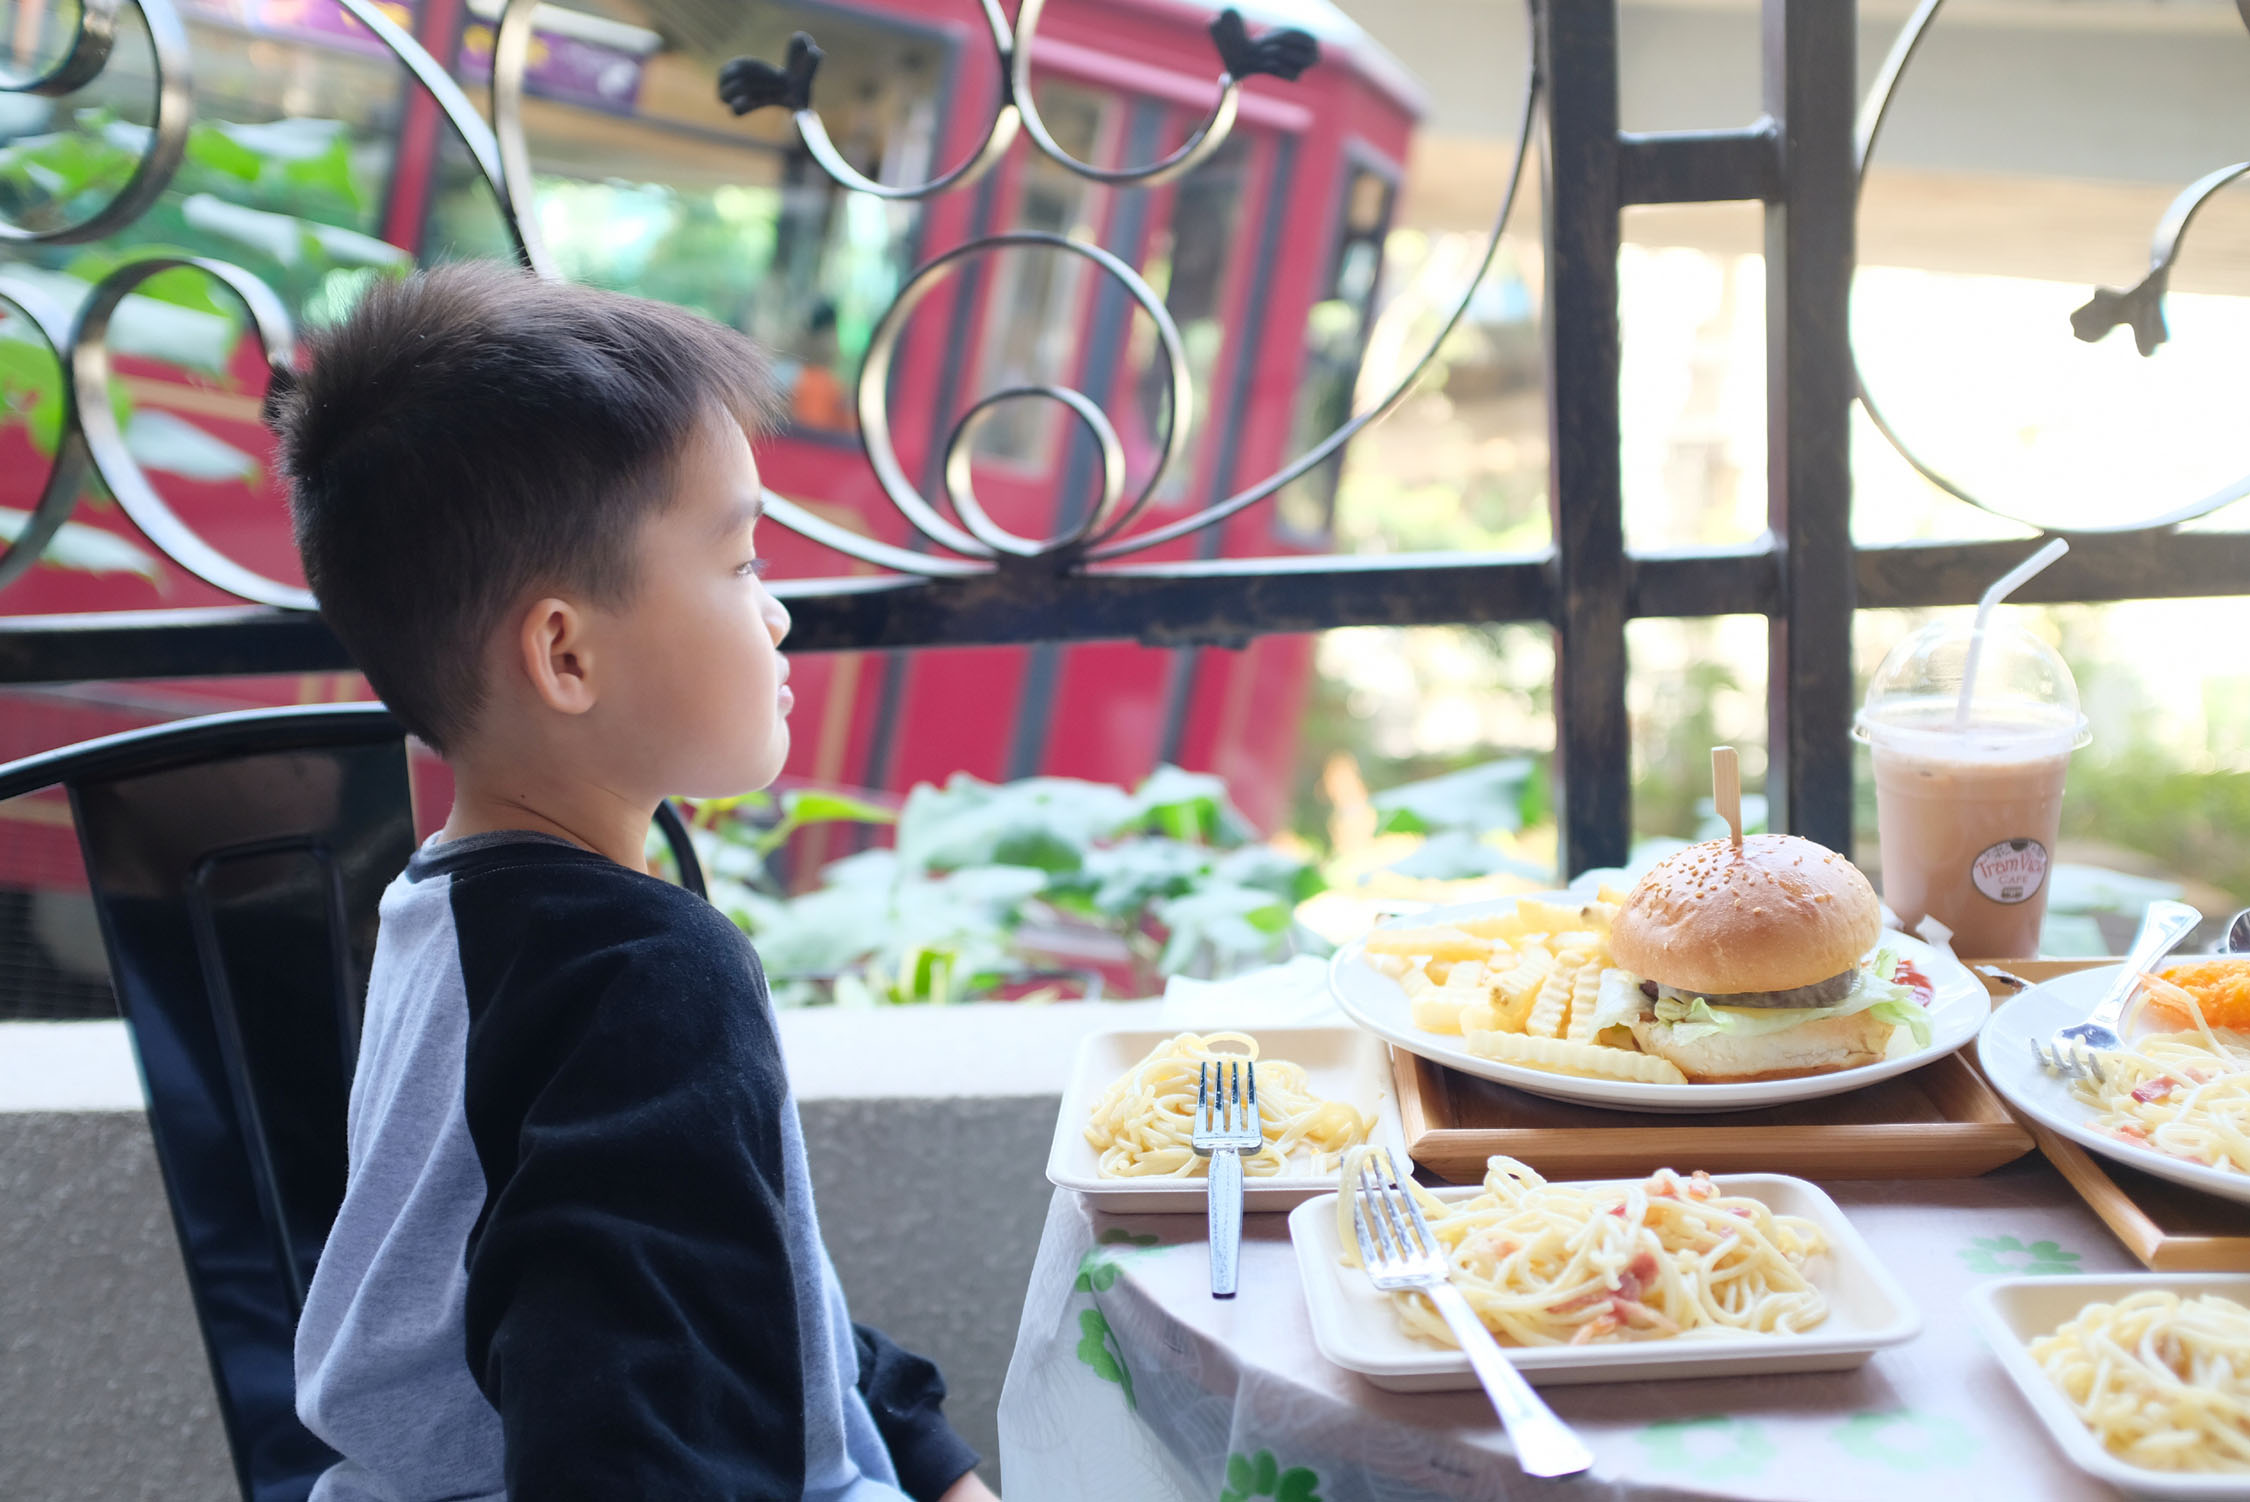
(1267, 257)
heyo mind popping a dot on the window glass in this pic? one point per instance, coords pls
(1187, 266)
(679, 200)
(1036, 328)
(1335, 338)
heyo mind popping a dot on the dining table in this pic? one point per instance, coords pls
(1129, 1382)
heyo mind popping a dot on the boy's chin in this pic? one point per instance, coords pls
(738, 775)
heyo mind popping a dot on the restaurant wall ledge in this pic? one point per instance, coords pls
(927, 1127)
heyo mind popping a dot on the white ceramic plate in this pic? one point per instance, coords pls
(2013, 1312)
(1867, 1310)
(1378, 1003)
(1343, 1063)
(2004, 1048)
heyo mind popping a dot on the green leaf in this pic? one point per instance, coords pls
(1479, 798)
(819, 933)
(811, 806)
(1449, 854)
(1264, 1472)
(184, 287)
(710, 812)
(1239, 1475)
(1042, 822)
(329, 174)
(31, 390)
(1399, 821)
(1298, 1484)
(211, 148)
(1189, 806)
(83, 549)
(1225, 925)
(1269, 870)
(1122, 879)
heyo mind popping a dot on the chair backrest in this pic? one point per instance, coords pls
(236, 863)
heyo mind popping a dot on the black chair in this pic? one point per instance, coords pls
(236, 862)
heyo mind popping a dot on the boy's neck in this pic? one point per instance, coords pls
(595, 818)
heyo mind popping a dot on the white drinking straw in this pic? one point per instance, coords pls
(2002, 587)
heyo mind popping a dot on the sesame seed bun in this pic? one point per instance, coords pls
(1778, 913)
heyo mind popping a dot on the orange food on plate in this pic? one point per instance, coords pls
(2221, 987)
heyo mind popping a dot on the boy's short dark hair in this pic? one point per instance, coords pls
(473, 433)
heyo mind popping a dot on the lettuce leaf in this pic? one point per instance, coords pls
(1693, 1018)
(1909, 1014)
(1619, 1000)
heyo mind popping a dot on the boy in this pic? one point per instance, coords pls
(577, 1255)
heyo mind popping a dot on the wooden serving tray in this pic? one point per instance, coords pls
(2169, 1227)
(1939, 1122)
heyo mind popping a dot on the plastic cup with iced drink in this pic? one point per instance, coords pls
(1969, 787)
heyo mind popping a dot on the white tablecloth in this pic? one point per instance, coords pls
(1131, 1384)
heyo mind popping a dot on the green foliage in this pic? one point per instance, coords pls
(31, 386)
(1487, 796)
(1457, 809)
(1672, 785)
(982, 873)
(2191, 821)
(292, 201)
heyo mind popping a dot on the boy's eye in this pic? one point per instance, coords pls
(756, 567)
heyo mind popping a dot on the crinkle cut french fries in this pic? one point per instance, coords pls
(1520, 987)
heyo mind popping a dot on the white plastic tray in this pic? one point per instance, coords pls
(1343, 1064)
(1354, 1326)
(2012, 1312)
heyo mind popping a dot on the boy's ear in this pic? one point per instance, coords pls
(556, 655)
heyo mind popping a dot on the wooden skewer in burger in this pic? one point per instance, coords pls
(1757, 957)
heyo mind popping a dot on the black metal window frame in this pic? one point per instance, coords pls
(1802, 159)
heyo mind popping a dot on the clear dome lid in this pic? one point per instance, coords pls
(2023, 699)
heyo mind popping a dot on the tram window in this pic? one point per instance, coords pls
(1187, 266)
(1335, 339)
(681, 201)
(1036, 331)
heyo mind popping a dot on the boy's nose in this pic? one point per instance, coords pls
(777, 619)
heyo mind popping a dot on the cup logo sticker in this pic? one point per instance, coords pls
(2012, 871)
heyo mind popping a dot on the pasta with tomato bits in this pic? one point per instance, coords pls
(1572, 1264)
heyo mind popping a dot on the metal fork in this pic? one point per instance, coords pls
(1224, 1138)
(1398, 1251)
(2077, 1050)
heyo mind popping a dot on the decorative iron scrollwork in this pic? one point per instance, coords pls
(1101, 534)
(2140, 307)
(82, 61)
(67, 470)
(976, 544)
(96, 419)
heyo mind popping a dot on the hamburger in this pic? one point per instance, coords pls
(1758, 961)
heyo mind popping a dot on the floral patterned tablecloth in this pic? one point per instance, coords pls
(1131, 1384)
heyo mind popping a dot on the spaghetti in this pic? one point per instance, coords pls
(2162, 1381)
(1571, 1264)
(2186, 1095)
(1144, 1124)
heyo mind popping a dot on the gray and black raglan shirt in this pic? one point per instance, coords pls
(577, 1255)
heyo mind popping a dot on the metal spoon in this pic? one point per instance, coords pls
(2237, 938)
